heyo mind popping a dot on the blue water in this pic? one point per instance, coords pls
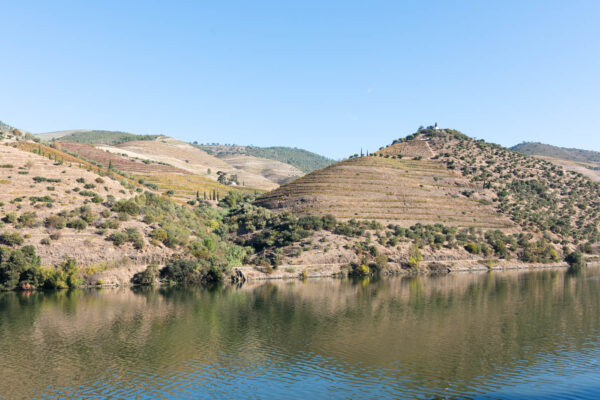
(508, 335)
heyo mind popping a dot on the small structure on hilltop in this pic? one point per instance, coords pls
(436, 127)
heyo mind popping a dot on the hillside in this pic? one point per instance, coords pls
(128, 152)
(5, 127)
(540, 149)
(435, 201)
(389, 190)
(569, 159)
(190, 169)
(454, 198)
(90, 136)
(66, 222)
(303, 160)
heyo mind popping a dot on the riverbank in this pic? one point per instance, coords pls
(248, 273)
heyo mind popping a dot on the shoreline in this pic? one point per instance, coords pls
(333, 270)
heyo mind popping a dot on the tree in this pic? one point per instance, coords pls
(414, 256)
(575, 260)
(222, 177)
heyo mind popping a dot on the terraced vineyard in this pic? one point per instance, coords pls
(393, 190)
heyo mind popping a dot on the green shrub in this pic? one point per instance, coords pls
(127, 206)
(148, 277)
(55, 222)
(159, 234)
(77, 223)
(473, 248)
(118, 238)
(28, 219)
(359, 270)
(188, 272)
(19, 266)
(381, 262)
(414, 256)
(575, 260)
(10, 218)
(11, 239)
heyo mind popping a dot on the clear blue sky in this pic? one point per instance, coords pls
(331, 77)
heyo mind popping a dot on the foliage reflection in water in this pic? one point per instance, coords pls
(489, 335)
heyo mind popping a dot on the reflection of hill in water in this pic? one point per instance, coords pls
(403, 333)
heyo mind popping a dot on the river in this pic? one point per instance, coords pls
(509, 335)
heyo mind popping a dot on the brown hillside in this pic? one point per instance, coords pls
(189, 158)
(274, 171)
(22, 192)
(590, 170)
(414, 148)
(391, 190)
(118, 162)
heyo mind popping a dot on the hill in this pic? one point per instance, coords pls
(240, 168)
(434, 201)
(94, 136)
(389, 190)
(585, 162)
(303, 160)
(66, 222)
(540, 149)
(446, 193)
(5, 127)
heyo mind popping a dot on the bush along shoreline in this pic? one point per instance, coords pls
(209, 242)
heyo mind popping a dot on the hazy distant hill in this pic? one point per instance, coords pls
(94, 136)
(304, 160)
(540, 149)
(5, 127)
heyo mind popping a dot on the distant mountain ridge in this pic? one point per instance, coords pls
(547, 150)
(5, 127)
(304, 160)
(249, 169)
(93, 136)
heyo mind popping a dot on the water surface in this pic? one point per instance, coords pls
(486, 335)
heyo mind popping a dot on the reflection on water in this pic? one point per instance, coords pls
(496, 335)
